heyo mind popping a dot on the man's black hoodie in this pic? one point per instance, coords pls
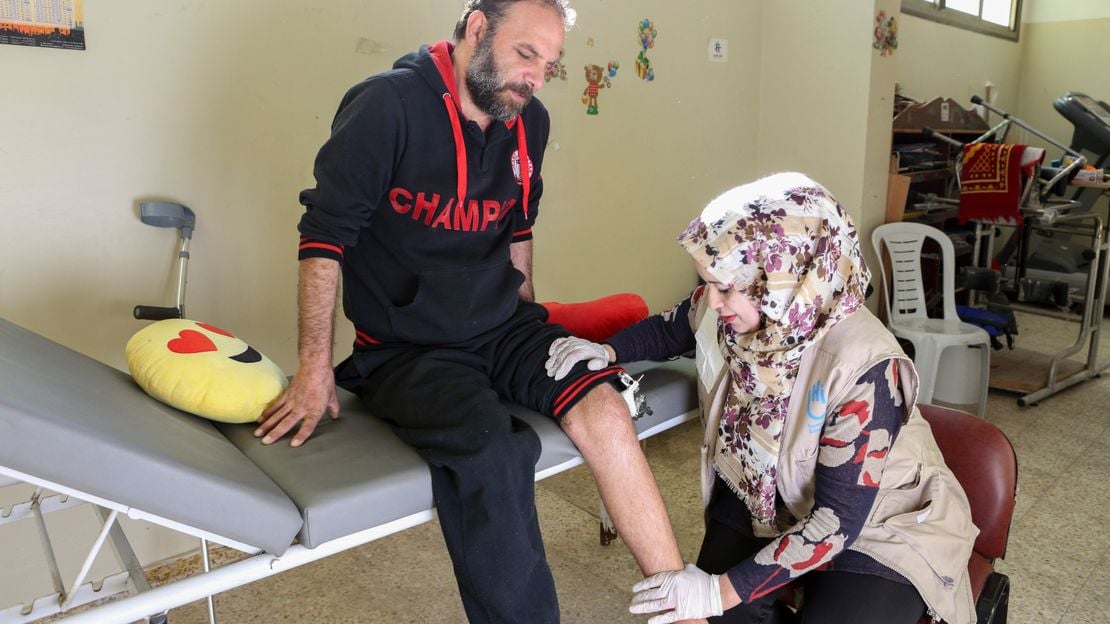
(420, 206)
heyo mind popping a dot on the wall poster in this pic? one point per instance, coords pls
(43, 23)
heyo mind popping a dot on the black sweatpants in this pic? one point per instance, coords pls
(831, 597)
(447, 404)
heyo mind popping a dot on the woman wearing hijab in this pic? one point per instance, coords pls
(817, 466)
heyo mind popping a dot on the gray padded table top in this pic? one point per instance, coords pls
(351, 475)
(71, 420)
(354, 474)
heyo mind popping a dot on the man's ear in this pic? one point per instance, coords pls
(475, 27)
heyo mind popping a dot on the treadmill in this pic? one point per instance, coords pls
(1056, 257)
(1091, 119)
(1069, 250)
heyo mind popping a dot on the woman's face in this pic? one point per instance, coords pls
(734, 307)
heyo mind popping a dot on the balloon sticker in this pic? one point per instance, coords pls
(598, 78)
(556, 69)
(886, 34)
(647, 41)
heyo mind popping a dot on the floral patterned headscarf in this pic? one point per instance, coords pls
(788, 245)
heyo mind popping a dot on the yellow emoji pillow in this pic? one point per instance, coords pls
(204, 370)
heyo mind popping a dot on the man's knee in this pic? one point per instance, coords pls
(601, 411)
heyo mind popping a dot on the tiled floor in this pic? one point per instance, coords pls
(1058, 560)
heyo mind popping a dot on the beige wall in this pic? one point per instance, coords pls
(1081, 31)
(876, 156)
(936, 60)
(823, 105)
(221, 106)
(810, 103)
(623, 184)
(1045, 75)
(826, 106)
(1057, 11)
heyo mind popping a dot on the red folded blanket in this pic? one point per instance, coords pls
(990, 183)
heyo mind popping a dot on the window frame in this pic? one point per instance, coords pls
(938, 12)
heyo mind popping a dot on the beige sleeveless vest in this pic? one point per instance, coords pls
(920, 524)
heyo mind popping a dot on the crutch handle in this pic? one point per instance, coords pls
(156, 313)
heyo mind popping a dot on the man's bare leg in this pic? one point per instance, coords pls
(601, 427)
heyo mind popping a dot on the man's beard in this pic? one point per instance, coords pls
(488, 92)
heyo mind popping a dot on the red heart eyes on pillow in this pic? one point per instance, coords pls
(191, 341)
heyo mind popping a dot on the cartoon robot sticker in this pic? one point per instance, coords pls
(597, 79)
(647, 41)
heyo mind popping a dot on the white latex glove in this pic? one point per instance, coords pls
(566, 352)
(686, 594)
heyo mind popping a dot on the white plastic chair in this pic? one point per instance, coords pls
(907, 319)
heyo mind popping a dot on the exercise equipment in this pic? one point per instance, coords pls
(1056, 261)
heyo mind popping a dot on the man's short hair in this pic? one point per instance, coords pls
(494, 11)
